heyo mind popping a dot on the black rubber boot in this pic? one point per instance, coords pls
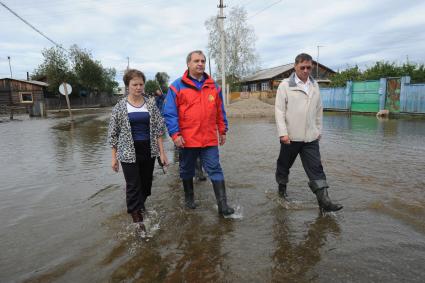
(282, 191)
(220, 195)
(199, 173)
(319, 188)
(189, 196)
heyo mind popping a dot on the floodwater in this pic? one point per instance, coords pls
(63, 215)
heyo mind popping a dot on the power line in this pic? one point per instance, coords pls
(264, 9)
(31, 26)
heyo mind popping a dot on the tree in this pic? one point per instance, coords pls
(379, 70)
(240, 55)
(55, 68)
(76, 67)
(350, 74)
(162, 79)
(151, 86)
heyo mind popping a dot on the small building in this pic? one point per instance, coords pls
(21, 95)
(269, 79)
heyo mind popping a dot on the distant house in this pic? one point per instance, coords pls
(22, 94)
(269, 79)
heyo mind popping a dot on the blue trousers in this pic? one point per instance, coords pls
(210, 160)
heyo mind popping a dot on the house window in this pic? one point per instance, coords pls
(265, 86)
(253, 87)
(26, 97)
(244, 88)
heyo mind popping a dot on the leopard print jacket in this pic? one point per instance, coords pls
(119, 131)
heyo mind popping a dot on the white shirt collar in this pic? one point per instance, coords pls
(304, 85)
(299, 81)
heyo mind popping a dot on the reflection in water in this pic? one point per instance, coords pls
(193, 254)
(293, 258)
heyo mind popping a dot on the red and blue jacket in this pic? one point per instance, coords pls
(195, 112)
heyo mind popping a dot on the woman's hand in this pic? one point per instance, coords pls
(164, 159)
(115, 165)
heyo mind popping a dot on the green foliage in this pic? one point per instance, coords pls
(55, 68)
(77, 68)
(380, 70)
(350, 74)
(162, 78)
(151, 86)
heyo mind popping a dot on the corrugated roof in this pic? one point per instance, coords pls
(269, 73)
(30, 82)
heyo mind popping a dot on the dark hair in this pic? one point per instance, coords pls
(131, 74)
(303, 57)
(189, 56)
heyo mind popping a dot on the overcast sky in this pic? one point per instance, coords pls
(157, 34)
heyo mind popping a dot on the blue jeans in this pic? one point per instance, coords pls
(209, 158)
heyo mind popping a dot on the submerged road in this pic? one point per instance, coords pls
(63, 216)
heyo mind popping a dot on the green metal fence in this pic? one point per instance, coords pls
(365, 96)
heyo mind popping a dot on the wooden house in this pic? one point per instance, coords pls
(269, 79)
(22, 95)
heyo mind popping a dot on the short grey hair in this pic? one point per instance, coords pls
(303, 57)
(189, 56)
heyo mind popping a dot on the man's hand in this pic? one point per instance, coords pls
(285, 139)
(179, 142)
(222, 139)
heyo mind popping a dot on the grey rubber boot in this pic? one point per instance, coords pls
(319, 188)
(189, 196)
(220, 195)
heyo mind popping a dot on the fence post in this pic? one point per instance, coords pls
(403, 98)
(382, 93)
(348, 92)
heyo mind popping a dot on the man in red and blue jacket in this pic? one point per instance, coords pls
(196, 121)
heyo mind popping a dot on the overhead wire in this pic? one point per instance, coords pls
(31, 26)
(268, 7)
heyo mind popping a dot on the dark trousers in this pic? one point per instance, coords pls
(138, 177)
(310, 158)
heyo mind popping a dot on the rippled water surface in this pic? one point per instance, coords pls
(63, 215)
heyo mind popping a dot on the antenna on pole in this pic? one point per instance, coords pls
(317, 67)
(10, 67)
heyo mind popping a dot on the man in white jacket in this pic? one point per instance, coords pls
(298, 113)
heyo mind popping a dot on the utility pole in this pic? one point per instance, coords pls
(223, 74)
(317, 68)
(209, 64)
(128, 62)
(10, 67)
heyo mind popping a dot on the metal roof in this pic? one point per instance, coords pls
(30, 82)
(269, 73)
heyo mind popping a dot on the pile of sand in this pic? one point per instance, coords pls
(251, 107)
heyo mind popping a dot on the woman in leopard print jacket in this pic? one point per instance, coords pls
(135, 135)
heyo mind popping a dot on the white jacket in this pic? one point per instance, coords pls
(297, 114)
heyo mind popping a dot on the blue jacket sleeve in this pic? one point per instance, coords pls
(171, 114)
